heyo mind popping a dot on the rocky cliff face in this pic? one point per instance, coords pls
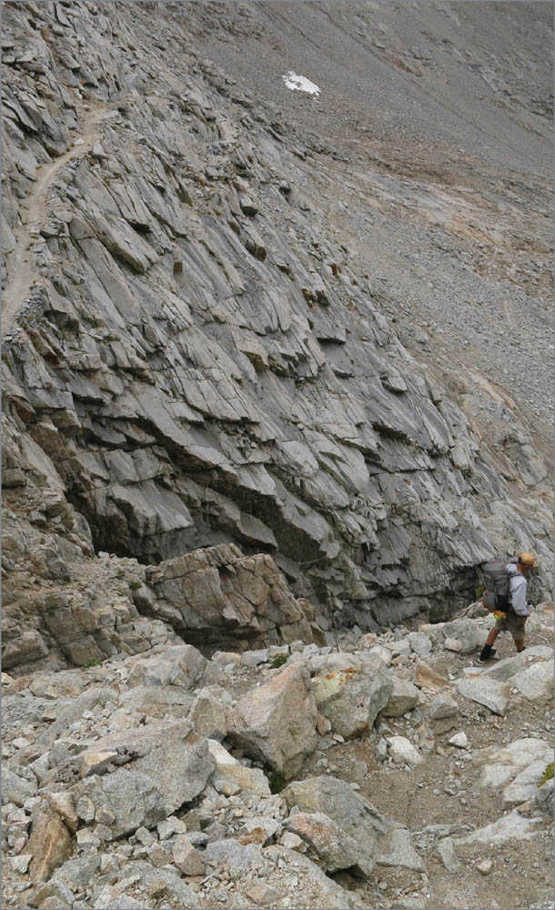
(193, 355)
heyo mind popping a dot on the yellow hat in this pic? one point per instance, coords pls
(527, 559)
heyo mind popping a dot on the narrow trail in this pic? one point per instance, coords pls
(21, 270)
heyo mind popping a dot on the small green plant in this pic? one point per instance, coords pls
(277, 781)
(135, 585)
(547, 774)
(94, 662)
(279, 660)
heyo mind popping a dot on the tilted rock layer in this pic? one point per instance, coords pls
(190, 357)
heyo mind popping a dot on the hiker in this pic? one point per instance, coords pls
(512, 618)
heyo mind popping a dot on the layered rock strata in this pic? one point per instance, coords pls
(190, 357)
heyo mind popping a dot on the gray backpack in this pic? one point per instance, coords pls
(497, 589)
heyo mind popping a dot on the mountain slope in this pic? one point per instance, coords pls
(222, 331)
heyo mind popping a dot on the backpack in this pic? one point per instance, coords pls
(497, 589)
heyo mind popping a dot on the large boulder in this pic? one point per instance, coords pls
(535, 683)
(329, 844)
(351, 697)
(219, 595)
(516, 769)
(276, 722)
(486, 691)
(275, 876)
(404, 697)
(231, 777)
(140, 886)
(353, 814)
(510, 827)
(178, 665)
(163, 766)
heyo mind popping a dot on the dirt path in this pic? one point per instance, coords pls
(22, 273)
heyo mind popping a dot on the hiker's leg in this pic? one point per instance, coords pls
(492, 636)
(487, 651)
(518, 633)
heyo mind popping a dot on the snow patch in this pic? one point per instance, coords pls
(300, 84)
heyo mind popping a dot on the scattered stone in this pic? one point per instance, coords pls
(291, 841)
(426, 677)
(420, 643)
(443, 706)
(397, 849)
(20, 863)
(511, 826)
(460, 740)
(452, 644)
(402, 750)
(326, 841)
(187, 859)
(446, 852)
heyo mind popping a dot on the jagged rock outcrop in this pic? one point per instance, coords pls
(190, 357)
(219, 595)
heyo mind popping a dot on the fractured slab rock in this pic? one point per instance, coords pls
(277, 721)
(164, 766)
(50, 843)
(350, 698)
(217, 593)
(336, 799)
(488, 692)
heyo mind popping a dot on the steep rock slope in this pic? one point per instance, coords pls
(193, 356)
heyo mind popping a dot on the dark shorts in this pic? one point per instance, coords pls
(513, 624)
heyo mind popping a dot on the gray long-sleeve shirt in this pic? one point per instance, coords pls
(518, 587)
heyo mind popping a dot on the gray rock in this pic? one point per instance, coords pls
(352, 814)
(187, 859)
(152, 884)
(209, 714)
(488, 692)
(535, 683)
(277, 721)
(503, 764)
(402, 750)
(169, 766)
(231, 777)
(443, 706)
(16, 789)
(332, 847)
(179, 665)
(511, 826)
(525, 785)
(420, 643)
(543, 797)
(404, 697)
(351, 699)
(397, 849)
(446, 852)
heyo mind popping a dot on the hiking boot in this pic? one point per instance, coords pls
(487, 652)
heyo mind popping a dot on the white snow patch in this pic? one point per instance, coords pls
(300, 84)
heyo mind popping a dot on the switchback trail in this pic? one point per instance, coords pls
(21, 272)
